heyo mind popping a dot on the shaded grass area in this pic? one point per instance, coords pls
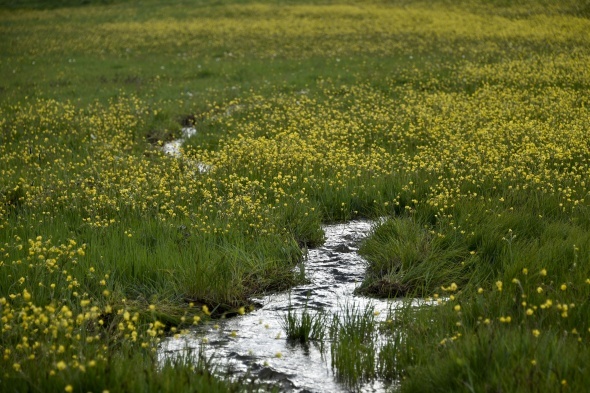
(136, 372)
(477, 338)
(518, 300)
(52, 4)
(407, 260)
(514, 290)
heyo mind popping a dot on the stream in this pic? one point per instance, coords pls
(174, 149)
(255, 343)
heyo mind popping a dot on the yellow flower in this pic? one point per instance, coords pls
(69, 389)
(499, 285)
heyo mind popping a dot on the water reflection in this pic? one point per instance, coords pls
(255, 343)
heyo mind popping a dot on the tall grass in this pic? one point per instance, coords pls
(406, 259)
(353, 345)
(305, 326)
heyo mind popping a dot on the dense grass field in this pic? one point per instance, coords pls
(465, 123)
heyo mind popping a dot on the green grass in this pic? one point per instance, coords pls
(406, 259)
(136, 372)
(305, 327)
(353, 345)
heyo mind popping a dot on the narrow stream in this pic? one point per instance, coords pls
(174, 149)
(255, 343)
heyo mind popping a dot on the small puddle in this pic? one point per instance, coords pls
(173, 148)
(250, 343)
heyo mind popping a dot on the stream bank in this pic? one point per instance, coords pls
(254, 344)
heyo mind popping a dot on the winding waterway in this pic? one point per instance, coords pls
(255, 343)
(174, 149)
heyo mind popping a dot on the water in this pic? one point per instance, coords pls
(255, 343)
(173, 148)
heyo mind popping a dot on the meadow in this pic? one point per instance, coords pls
(465, 123)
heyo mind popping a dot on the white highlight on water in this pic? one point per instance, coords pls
(249, 343)
(173, 148)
